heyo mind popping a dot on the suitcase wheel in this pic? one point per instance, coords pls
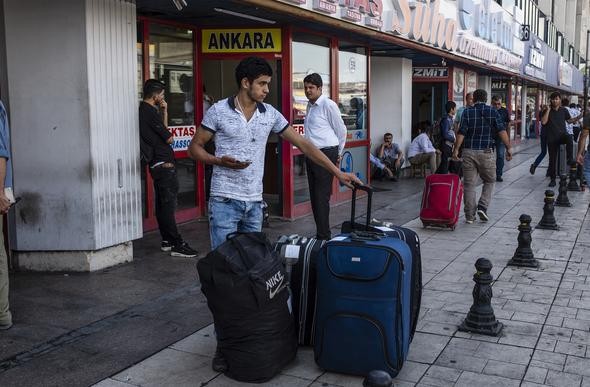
(452, 227)
(424, 225)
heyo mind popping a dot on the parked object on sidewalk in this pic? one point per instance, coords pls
(378, 378)
(300, 255)
(562, 199)
(246, 289)
(441, 201)
(523, 256)
(391, 230)
(573, 182)
(481, 318)
(363, 313)
(548, 221)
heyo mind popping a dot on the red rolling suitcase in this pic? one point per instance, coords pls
(441, 200)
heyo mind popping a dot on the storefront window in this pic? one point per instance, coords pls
(311, 54)
(171, 61)
(352, 90)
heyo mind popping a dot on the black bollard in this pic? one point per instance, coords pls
(523, 256)
(562, 199)
(573, 183)
(481, 318)
(378, 378)
(548, 220)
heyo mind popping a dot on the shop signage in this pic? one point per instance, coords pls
(241, 40)
(458, 85)
(430, 72)
(470, 81)
(182, 136)
(479, 29)
(565, 73)
(499, 85)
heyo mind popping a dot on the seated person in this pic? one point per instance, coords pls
(422, 151)
(391, 155)
(382, 169)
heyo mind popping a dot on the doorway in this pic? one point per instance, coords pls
(218, 83)
(428, 101)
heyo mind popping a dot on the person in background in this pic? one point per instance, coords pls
(583, 156)
(325, 129)
(5, 203)
(459, 112)
(498, 143)
(480, 124)
(543, 142)
(447, 137)
(382, 169)
(421, 149)
(155, 144)
(391, 155)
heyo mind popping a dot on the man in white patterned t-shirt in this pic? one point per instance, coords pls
(241, 125)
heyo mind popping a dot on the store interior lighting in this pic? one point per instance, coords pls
(179, 4)
(244, 16)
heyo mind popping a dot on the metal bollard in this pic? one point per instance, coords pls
(523, 256)
(548, 221)
(481, 318)
(378, 378)
(562, 199)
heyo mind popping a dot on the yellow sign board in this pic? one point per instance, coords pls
(241, 40)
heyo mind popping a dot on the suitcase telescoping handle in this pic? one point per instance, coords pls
(369, 190)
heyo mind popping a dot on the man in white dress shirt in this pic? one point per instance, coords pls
(325, 129)
(422, 151)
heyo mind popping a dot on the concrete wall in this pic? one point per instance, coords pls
(3, 76)
(72, 70)
(391, 101)
(485, 82)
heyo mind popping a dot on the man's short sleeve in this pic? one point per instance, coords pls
(567, 114)
(210, 120)
(396, 149)
(280, 123)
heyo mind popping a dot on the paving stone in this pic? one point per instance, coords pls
(577, 365)
(546, 365)
(425, 348)
(549, 357)
(198, 344)
(555, 321)
(340, 380)
(470, 379)
(443, 373)
(529, 307)
(412, 371)
(303, 366)
(563, 379)
(570, 348)
(436, 328)
(518, 340)
(536, 374)
(558, 333)
(111, 383)
(277, 381)
(507, 353)
(500, 368)
(546, 344)
(427, 381)
(455, 359)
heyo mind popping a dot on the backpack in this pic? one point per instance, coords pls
(437, 138)
(246, 286)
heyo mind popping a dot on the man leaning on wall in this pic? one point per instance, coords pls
(5, 203)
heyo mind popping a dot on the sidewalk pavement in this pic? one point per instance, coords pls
(75, 329)
(545, 311)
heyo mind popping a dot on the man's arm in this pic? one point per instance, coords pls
(506, 140)
(336, 122)
(458, 143)
(582, 146)
(4, 202)
(545, 117)
(318, 157)
(196, 151)
(381, 151)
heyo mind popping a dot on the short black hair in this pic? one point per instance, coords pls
(388, 134)
(152, 87)
(251, 68)
(555, 94)
(480, 95)
(450, 105)
(565, 102)
(313, 78)
(496, 98)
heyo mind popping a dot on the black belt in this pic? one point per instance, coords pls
(329, 147)
(486, 150)
(166, 165)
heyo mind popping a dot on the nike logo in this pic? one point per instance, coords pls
(272, 293)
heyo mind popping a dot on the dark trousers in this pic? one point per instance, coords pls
(543, 150)
(553, 149)
(320, 190)
(166, 190)
(446, 153)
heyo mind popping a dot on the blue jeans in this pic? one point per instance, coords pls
(230, 215)
(543, 150)
(500, 154)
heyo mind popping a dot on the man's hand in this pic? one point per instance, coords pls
(338, 160)
(455, 155)
(231, 163)
(4, 203)
(348, 178)
(163, 105)
(508, 154)
(397, 163)
(170, 140)
(580, 158)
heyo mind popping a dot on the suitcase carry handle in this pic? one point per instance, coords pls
(369, 190)
(366, 236)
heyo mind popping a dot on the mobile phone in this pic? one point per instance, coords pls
(16, 200)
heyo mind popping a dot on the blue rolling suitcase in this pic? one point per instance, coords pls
(363, 310)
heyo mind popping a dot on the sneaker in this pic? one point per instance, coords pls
(483, 216)
(393, 178)
(5, 326)
(183, 250)
(532, 169)
(166, 246)
(552, 183)
(469, 221)
(219, 364)
(499, 179)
